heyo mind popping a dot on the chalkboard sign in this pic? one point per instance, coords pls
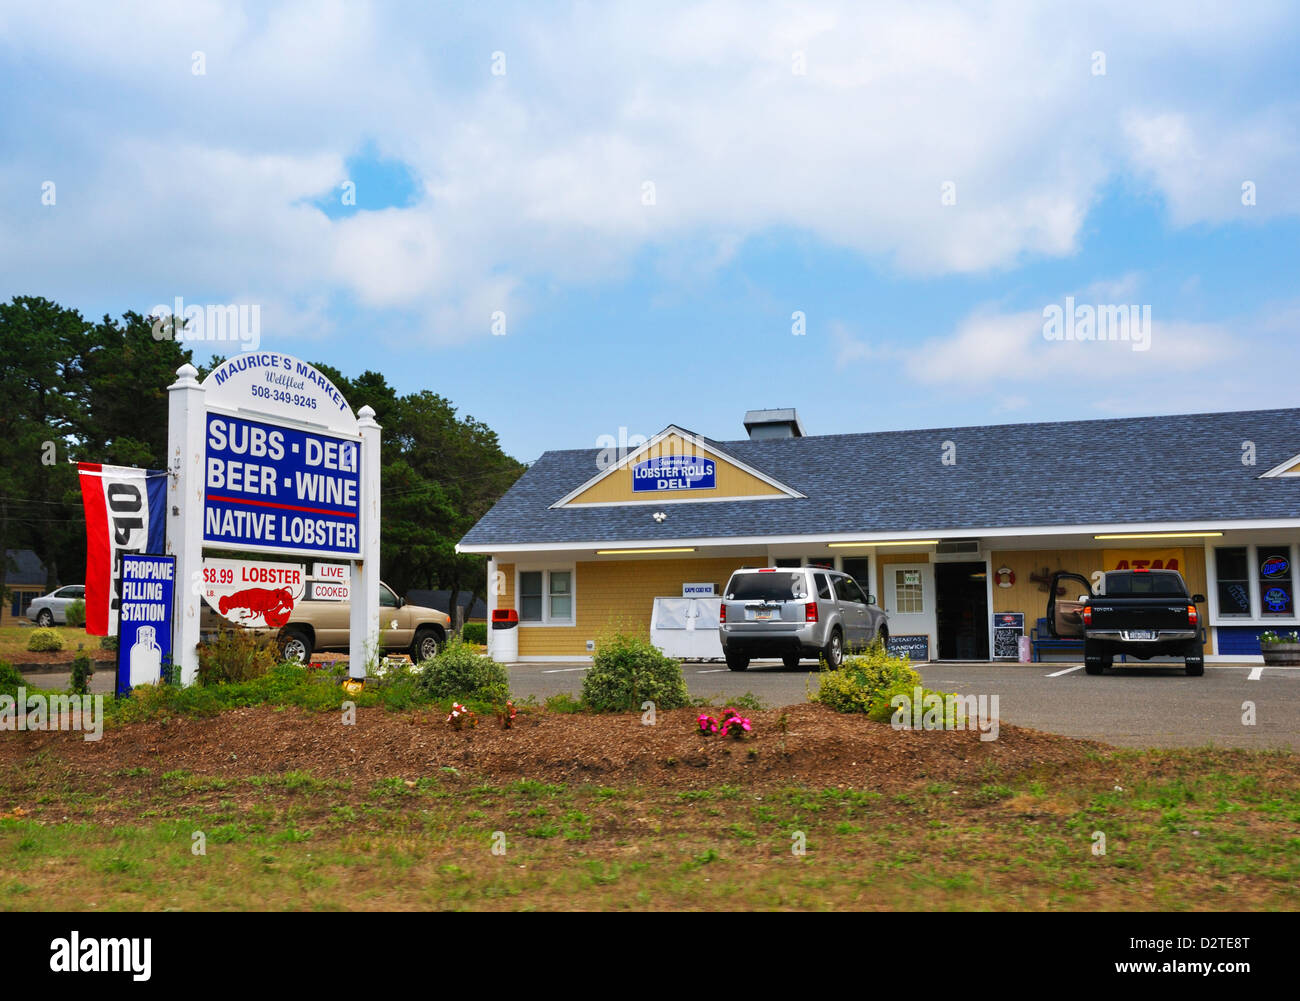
(915, 647)
(1008, 627)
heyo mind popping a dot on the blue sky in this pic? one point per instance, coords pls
(500, 157)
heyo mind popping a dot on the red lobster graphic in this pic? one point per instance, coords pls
(273, 603)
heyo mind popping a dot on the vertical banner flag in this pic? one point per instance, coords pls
(126, 512)
(144, 640)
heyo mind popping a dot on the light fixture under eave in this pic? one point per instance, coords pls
(638, 552)
(900, 542)
(1161, 535)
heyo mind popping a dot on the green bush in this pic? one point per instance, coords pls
(82, 671)
(474, 632)
(628, 670)
(108, 643)
(866, 682)
(42, 640)
(460, 672)
(10, 679)
(76, 614)
(237, 655)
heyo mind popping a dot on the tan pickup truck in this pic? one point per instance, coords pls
(324, 625)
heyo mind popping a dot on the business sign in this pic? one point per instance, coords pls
(674, 472)
(1143, 559)
(917, 648)
(1008, 627)
(144, 637)
(1274, 565)
(280, 489)
(126, 512)
(697, 590)
(253, 593)
(280, 388)
(329, 582)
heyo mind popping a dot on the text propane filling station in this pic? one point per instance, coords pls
(269, 485)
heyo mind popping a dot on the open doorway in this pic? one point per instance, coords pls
(962, 610)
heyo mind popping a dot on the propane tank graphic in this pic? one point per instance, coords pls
(146, 658)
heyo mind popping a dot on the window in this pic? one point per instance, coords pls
(561, 595)
(546, 596)
(823, 586)
(763, 586)
(1275, 594)
(788, 561)
(907, 592)
(386, 597)
(1232, 580)
(859, 568)
(848, 590)
(822, 562)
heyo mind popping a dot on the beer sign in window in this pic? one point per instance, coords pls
(1275, 590)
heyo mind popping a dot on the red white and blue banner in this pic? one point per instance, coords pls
(126, 512)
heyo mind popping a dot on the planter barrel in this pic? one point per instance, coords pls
(1281, 654)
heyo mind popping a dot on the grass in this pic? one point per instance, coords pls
(13, 643)
(1191, 829)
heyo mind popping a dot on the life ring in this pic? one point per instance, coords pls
(1006, 576)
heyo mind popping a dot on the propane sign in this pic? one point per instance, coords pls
(251, 593)
(279, 489)
(144, 637)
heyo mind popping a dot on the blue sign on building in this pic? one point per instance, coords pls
(674, 472)
(274, 488)
(144, 619)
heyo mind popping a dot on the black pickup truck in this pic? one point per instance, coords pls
(1140, 613)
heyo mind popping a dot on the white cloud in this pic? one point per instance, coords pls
(538, 175)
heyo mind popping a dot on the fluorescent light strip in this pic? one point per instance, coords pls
(1162, 535)
(633, 552)
(903, 542)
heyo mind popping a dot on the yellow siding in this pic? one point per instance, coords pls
(1030, 596)
(732, 481)
(617, 595)
(6, 616)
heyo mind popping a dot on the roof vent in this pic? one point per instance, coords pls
(764, 424)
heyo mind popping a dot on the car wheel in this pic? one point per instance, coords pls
(1093, 661)
(882, 634)
(426, 646)
(791, 661)
(45, 618)
(737, 662)
(295, 645)
(833, 651)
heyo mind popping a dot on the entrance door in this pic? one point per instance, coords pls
(909, 599)
(962, 611)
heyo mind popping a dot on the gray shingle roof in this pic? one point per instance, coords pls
(24, 568)
(1115, 471)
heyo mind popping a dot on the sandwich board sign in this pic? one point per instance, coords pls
(265, 456)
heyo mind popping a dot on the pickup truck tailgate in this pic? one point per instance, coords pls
(1129, 614)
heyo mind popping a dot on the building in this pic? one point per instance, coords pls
(25, 581)
(946, 526)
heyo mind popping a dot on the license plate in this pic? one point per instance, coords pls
(763, 616)
(1141, 634)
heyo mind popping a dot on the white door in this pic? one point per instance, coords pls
(909, 600)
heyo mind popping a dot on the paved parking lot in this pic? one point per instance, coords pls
(1136, 707)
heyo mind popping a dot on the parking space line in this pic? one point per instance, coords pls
(565, 670)
(1255, 674)
(1068, 670)
(716, 670)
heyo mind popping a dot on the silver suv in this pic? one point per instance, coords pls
(796, 612)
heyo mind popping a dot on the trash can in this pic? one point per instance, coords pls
(505, 635)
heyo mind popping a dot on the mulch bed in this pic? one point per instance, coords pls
(819, 747)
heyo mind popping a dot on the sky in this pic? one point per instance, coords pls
(571, 219)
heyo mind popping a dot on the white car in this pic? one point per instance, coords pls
(53, 607)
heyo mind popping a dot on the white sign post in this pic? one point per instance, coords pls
(266, 456)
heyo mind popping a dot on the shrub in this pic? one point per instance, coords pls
(460, 672)
(866, 683)
(82, 671)
(628, 670)
(76, 614)
(42, 640)
(474, 632)
(237, 655)
(10, 679)
(108, 643)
